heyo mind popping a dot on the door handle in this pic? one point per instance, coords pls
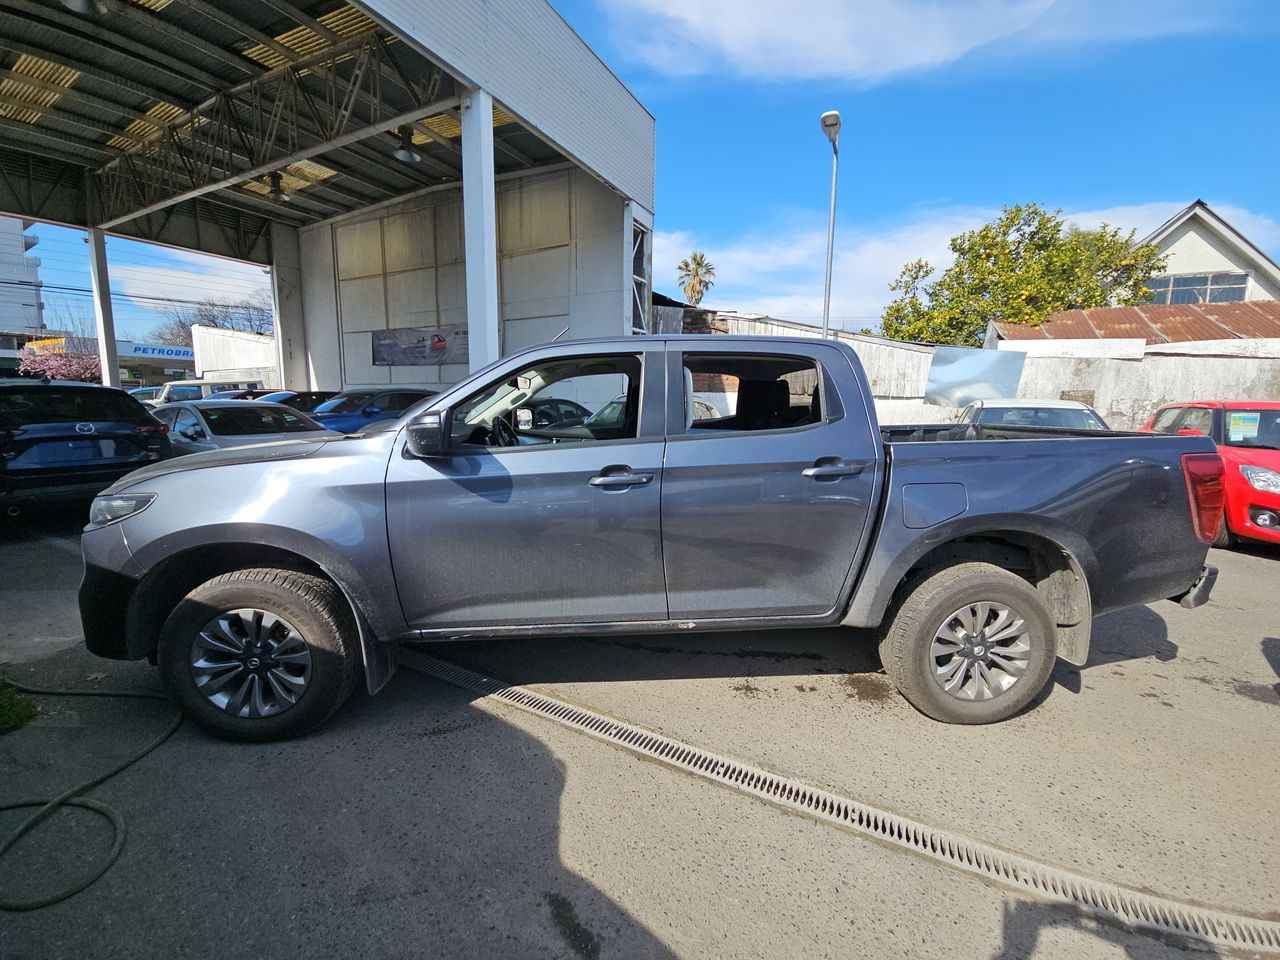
(830, 468)
(622, 479)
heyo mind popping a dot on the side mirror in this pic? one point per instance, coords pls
(428, 434)
(524, 418)
(1191, 433)
(371, 411)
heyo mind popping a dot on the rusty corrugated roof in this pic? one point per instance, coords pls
(1156, 323)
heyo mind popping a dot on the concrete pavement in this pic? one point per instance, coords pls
(425, 823)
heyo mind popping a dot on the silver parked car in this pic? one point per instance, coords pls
(1065, 414)
(215, 424)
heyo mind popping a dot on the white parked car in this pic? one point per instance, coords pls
(1071, 414)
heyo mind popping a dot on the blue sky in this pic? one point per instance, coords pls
(1123, 110)
(1116, 110)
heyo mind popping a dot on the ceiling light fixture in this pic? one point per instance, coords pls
(405, 152)
(275, 183)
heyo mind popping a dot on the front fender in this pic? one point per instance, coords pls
(361, 569)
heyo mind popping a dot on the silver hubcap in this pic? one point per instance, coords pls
(980, 651)
(251, 663)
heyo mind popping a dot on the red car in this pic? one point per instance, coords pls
(1247, 433)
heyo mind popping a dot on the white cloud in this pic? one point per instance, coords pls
(781, 274)
(873, 39)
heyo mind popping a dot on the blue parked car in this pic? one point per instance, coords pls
(352, 410)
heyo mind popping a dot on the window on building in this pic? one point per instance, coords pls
(1198, 288)
(640, 280)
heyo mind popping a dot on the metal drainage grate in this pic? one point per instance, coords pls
(1052, 883)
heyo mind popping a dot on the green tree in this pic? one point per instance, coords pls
(1022, 267)
(696, 274)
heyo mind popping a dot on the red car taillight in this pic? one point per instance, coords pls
(160, 428)
(1203, 473)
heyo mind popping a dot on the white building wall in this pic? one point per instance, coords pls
(21, 308)
(1195, 248)
(401, 265)
(222, 353)
(502, 45)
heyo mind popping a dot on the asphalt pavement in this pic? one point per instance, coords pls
(428, 822)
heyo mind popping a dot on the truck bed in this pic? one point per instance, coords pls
(950, 432)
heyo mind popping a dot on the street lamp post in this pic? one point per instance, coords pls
(831, 127)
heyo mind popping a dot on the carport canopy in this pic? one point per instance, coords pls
(200, 124)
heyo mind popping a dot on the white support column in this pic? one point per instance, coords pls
(480, 228)
(286, 301)
(105, 320)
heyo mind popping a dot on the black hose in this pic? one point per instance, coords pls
(73, 798)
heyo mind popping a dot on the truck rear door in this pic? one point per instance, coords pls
(766, 505)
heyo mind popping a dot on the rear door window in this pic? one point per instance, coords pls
(73, 405)
(750, 392)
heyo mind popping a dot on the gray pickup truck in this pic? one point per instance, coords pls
(740, 483)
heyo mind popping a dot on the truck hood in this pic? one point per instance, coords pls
(255, 453)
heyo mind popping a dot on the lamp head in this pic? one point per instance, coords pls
(831, 124)
(405, 152)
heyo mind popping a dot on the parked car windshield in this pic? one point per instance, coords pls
(53, 405)
(247, 420)
(1253, 428)
(346, 403)
(1068, 417)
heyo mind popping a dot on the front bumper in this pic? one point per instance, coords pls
(106, 589)
(1198, 594)
(1243, 507)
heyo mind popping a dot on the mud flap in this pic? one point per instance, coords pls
(1198, 593)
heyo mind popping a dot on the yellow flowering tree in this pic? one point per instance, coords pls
(1022, 267)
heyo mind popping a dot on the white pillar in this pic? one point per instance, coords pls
(480, 228)
(104, 318)
(286, 301)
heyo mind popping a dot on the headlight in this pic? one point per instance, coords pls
(109, 509)
(1260, 478)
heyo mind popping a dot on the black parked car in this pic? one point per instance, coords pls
(65, 440)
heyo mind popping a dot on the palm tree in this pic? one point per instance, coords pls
(697, 275)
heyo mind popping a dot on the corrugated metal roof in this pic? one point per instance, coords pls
(1156, 323)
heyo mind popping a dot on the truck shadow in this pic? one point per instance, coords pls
(1135, 633)
(1024, 921)
(1132, 634)
(415, 824)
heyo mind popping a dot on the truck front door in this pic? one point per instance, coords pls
(526, 524)
(765, 503)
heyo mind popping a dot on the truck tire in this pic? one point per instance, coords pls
(971, 643)
(260, 654)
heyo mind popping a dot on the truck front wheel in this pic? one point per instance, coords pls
(972, 643)
(260, 654)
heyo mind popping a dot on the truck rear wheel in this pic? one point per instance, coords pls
(972, 643)
(260, 654)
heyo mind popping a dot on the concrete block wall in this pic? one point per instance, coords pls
(561, 258)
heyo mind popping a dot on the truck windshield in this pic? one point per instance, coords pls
(1252, 428)
(1068, 417)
